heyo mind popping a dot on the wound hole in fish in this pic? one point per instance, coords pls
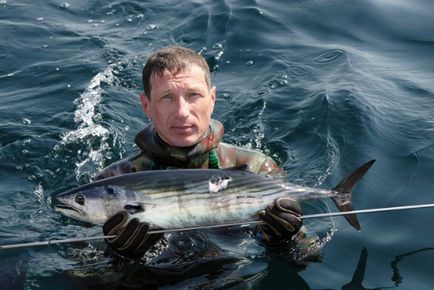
(218, 183)
(134, 208)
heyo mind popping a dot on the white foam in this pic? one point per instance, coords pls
(85, 114)
(89, 128)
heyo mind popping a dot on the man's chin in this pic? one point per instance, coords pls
(183, 140)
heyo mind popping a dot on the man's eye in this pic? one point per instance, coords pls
(194, 95)
(167, 97)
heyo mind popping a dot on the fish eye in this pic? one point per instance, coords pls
(79, 199)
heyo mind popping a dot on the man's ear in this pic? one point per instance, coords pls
(213, 97)
(145, 104)
(213, 93)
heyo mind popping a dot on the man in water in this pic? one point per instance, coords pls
(179, 99)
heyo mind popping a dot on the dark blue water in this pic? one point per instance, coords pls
(322, 86)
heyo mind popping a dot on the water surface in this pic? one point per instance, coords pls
(321, 86)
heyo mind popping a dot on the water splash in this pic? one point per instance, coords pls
(334, 157)
(90, 132)
(259, 129)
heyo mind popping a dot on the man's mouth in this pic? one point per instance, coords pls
(183, 127)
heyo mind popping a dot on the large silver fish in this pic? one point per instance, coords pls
(182, 198)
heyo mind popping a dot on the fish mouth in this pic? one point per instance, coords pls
(66, 209)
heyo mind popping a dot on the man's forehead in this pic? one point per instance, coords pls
(188, 71)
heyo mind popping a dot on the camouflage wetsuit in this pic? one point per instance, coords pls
(210, 152)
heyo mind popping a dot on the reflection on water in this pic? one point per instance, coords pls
(397, 277)
(225, 272)
(192, 261)
(359, 274)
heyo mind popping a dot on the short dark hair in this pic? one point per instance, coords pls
(174, 59)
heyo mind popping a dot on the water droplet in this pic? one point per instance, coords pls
(217, 46)
(151, 27)
(31, 178)
(68, 85)
(217, 57)
(57, 69)
(26, 121)
(202, 50)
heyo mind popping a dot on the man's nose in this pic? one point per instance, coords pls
(183, 107)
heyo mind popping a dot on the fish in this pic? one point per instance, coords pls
(183, 198)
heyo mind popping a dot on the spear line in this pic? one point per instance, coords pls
(318, 215)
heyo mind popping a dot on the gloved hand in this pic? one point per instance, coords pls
(281, 221)
(131, 240)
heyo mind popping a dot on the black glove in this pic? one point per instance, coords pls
(131, 240)
(281, 221)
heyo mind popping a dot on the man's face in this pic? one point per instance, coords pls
(180, 106)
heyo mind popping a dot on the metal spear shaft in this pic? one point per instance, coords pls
(310, 216)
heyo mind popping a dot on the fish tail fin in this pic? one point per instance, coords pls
(343, 191)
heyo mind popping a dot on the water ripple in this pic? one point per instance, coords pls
(328, 56)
